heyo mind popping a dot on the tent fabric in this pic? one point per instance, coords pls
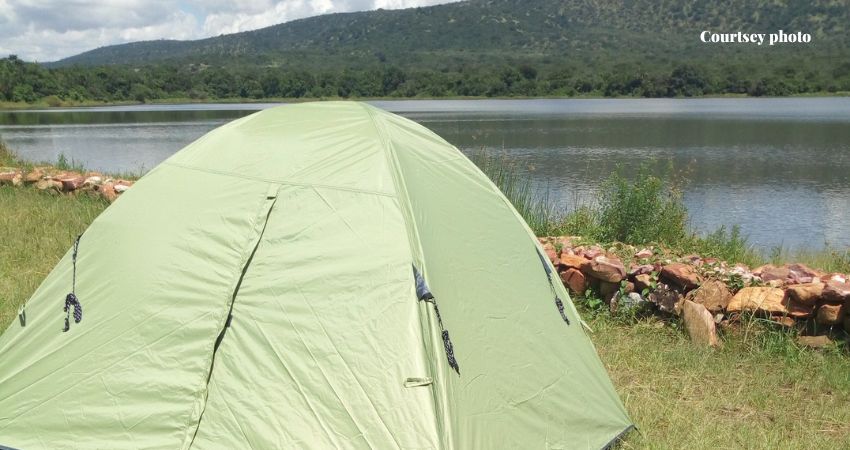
(255, 291)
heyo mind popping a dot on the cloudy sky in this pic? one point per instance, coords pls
(46, 30)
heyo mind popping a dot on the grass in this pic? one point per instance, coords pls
(758, 391)
(36, 229)
(7, 157)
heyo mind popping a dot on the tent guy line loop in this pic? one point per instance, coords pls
(71, 300)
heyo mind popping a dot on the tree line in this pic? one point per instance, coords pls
(31, 83)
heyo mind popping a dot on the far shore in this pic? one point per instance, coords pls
(16, 106)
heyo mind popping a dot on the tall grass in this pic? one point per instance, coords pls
(7, 157)
(36, 229)
(539, 213)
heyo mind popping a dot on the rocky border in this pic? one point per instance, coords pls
(705, 292)
(57, 181)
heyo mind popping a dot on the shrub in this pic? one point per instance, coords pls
(641, 210)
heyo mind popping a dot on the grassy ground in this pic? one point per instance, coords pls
(36, 229)
(756, 392)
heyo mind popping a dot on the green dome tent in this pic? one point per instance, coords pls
(323, 275)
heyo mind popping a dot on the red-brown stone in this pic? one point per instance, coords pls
(574, 280)
(681, 275)
(606, 269)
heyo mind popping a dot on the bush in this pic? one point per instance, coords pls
(641, 210)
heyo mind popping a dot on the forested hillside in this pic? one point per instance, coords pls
(473, 48)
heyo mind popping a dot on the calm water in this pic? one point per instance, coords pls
(778, 167)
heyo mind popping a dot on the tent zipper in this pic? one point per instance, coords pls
(558, 302)
(261, 222)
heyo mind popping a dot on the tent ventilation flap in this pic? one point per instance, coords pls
(424, 294)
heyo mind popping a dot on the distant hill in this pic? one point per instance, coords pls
(476, 48)
(492, 31)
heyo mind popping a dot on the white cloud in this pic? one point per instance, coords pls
(46, 30)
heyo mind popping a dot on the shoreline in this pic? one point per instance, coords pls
(9, 106)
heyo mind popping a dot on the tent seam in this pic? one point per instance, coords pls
(404, 199)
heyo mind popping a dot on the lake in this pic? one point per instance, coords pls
(779, 168)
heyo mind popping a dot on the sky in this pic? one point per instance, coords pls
(47, 30)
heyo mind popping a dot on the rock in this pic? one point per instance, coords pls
(606, 269)
(629, 303)
(666, 299)
(835, 292)
(837, 277)
(643, 253)
(632, 300)
(8, 178)
(798, 310)
(121, 186)
(643, 281)
(93, 181)
(801, 273)
(718, 318)
(33, 176)
(608, 290)
(565, 241)
(682, 275)
(49, 184)
(592, 253)
(774, 283)
(743, 272)
(573, 261)
(548, 248)
(574, 280)
(693, 260)
(770, 272)
(635, 270)
(107, 191)
(700, 324)
(814, 341)
(72, 183)
(806, 294)
(830, 314)
(713, 295)
(763, 299)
